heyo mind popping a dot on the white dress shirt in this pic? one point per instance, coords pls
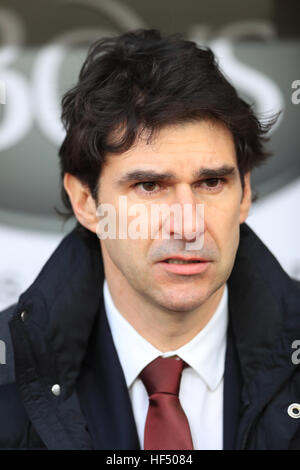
(201, 387)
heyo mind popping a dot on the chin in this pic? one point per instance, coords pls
(182, 303)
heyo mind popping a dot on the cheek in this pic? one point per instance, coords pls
(222, 226)
(230, 239)
(126, 255)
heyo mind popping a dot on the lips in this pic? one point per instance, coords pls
(184, 258)
(191, 266)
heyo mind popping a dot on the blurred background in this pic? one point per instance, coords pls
(42, 46)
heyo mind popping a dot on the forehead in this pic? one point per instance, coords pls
(180, 147)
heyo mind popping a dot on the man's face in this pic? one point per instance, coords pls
(180, 153)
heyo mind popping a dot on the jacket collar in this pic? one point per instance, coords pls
(103, 393)
(263, 303)
(64, 299)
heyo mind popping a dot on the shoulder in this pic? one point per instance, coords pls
(7, 313)
(13, 417)
(6, 348)
(297, 282)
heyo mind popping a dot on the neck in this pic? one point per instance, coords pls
(165, 330)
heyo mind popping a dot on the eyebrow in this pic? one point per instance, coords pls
(139, 175)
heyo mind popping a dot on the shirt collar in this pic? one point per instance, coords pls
(205, 353)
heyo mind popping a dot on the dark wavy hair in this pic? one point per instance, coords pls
(141, 81)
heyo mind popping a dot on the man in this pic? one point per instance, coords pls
(177, 339)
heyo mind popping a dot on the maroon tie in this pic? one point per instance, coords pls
(166, 426)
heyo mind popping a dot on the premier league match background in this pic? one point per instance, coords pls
(42, 46)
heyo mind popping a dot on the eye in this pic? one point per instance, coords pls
(214, 183)
(147, 187)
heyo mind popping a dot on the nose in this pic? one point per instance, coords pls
(187, 222)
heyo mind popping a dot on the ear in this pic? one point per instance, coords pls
(246, 200)
(83, 204)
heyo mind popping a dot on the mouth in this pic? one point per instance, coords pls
(182, 260)
(184, 266)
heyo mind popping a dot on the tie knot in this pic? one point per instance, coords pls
(163, 375)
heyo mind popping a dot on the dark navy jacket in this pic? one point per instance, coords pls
(57, 333)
